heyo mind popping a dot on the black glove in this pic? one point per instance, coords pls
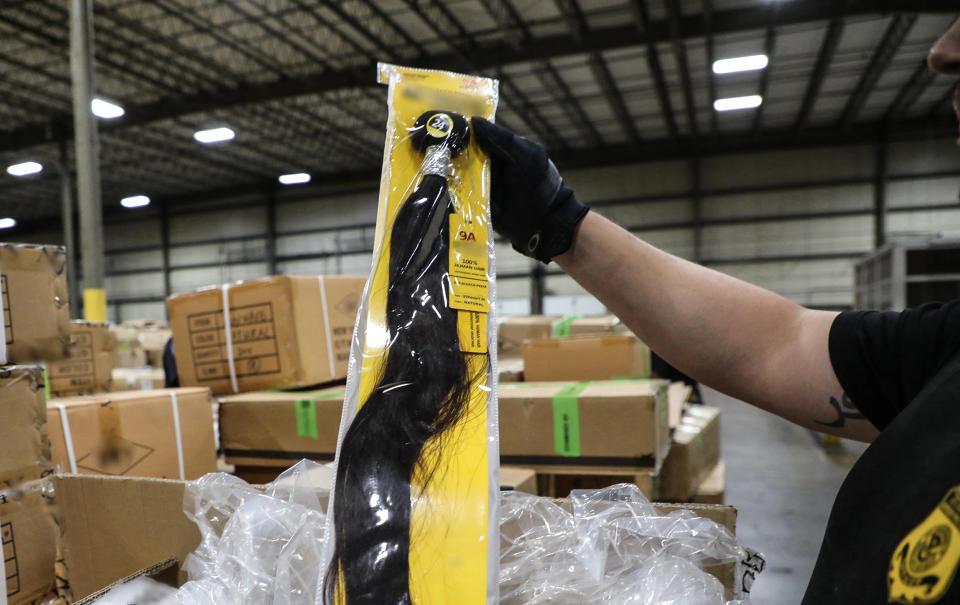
(530, 204)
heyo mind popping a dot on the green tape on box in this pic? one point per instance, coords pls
(561, 329)
(307, 418)
(46, 383)
(566, 420)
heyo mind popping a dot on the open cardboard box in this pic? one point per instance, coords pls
(115, 527)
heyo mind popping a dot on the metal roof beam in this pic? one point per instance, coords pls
(553, 81)
(827, 49)
(915, 86)
(674, 13)
(643, 23)
(711, 82)
(612, 93)
(489, 55)
(769, 46)
(887, 47)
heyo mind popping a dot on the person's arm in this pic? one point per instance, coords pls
(738, 338)
(735, 337)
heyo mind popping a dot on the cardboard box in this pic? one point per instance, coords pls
(137, 379)
(89, 364)
(600, 325)
(515, 478)
(112, 527)
(591, 358)
(278, 428)
(559, 485)
(162, 433)
(286, 332)
(140, 343)
(24, 440)
(35, 303)
(510, 369)
(512, 332)
(603, 425)
(678, 394)
(713, 488)
(693, 455)
(28, 539)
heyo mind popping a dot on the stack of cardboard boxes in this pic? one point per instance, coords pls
(577, 405)
(35, 327)
(282, 335)
(138, 354)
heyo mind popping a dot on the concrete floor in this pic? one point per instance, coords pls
(783, 480)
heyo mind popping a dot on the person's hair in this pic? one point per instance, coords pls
(422, 392)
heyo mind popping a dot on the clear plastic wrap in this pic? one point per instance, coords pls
(416, 490)
(609, 546)
(264, 546)
(257, 547)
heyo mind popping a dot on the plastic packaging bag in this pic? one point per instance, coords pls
(257, 547)
(609, 546)
(416, 490)
(603, 546)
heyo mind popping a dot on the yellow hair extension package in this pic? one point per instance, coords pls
(414, 503)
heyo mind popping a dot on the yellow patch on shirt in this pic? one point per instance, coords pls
(925, 562)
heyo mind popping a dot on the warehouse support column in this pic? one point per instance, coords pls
(69, 241)
(271, 210)
(165, 248)
(88, 167)
(537, 288)
(880, 195)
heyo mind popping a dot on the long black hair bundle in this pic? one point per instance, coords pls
(423, 389)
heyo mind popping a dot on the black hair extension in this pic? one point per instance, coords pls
(422, 392)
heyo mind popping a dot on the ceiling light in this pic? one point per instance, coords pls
(24, 168)
(105, 109)
(6, 223)
(214, 135)
(295, 179)
(732, 103)
(135, 201)
(729, 66)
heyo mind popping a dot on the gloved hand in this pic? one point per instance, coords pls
(530, 204)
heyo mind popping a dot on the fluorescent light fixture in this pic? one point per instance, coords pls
(294, 179)
(6, 223)
(214, 135)
(135, 201)
(732, 103)
(729, 66)
(24, 168)
(105, 109)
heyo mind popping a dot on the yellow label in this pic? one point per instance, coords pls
(925, 562)
(472, 329)
(439, 125)
(469, 285)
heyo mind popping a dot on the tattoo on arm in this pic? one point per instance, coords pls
(846, 410)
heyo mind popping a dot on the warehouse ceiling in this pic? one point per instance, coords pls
(595, 80)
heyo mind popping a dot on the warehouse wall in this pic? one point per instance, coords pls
(792, 221)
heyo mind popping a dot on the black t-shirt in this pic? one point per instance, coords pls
(894, 531)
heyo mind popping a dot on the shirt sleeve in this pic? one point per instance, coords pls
(884, 359)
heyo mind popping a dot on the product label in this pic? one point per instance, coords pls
(7, 316)
(472, 330)
(11, 576)
(307, 418)
(469, 288)
(254, 338)
(566, 420)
